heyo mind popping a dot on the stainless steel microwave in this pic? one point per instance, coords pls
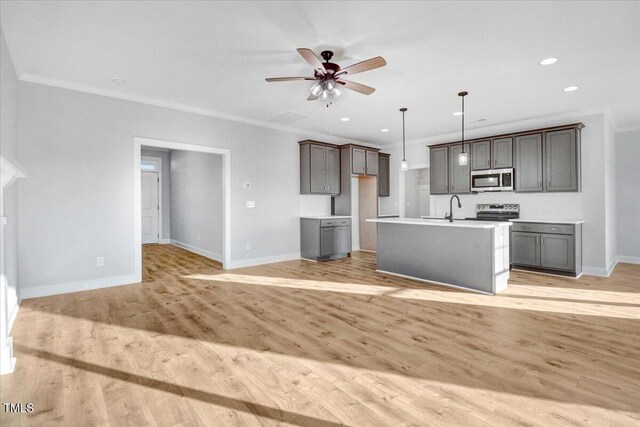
(492, 180)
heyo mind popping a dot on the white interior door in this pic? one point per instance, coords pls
(150, 207)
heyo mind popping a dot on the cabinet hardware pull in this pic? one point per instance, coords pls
(543, 240)
(548, 183)
(540, 184)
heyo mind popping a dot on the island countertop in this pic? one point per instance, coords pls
(442, 222)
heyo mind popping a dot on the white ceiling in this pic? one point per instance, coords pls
(215, 56)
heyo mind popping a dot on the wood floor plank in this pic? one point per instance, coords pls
(336, 343)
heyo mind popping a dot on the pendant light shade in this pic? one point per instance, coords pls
(463, 158)
(404, 165)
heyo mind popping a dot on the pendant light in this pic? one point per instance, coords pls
(463, 157)
(404, 166)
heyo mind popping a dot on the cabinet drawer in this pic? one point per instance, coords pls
(335, 222)
(527, 227)
(532, 227)
(557, 228)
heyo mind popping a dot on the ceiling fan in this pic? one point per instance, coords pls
(329, 76)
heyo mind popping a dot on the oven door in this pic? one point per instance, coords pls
(486, 181)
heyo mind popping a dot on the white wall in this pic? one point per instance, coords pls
(165, 186)
(8, 148)
(197, 202)
(590, 204)
(628, 195)
(78, 201)
(411, 194)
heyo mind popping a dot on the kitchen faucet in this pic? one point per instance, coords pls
(450, 217)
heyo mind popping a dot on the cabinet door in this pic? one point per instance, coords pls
(343, 240)
(383, 176)
(372, 162)
(459, 176)
(327, 241)
(481, 155)
(332, 170)
(525, 248)
(561, 162)
(501, 153)
(528, 162)
(318, 169)
(439, 170)
(556, 251)
(358, 161)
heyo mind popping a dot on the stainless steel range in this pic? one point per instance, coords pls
(496, 212)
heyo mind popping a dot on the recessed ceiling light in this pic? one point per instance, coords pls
(345, 119)
(457, 113)
(570, 88)
(384, 130)
(548, 61)
(118, 82)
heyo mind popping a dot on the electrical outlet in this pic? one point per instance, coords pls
(247, 246)
(100, 261)
(251, 204)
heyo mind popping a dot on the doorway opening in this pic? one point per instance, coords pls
(415, 192)
(182, 196)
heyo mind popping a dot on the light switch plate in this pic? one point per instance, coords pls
(251, 204)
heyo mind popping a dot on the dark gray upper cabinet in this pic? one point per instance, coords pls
(528, 163)
(358, 161)
(383, 175)
(372, 163)
(319, 168)
(459, 177)
(439, 170)
(502, 153)
(561, 158)
(481, 155)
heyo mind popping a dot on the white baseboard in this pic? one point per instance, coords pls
(629, 259)
(69, 287)
(12, 316)
(207, 254)
(164, 241)
(599, 271)
(265, 260)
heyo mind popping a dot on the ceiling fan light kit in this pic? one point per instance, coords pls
(328, 76)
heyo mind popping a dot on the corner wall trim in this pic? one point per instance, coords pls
(629, 259)
(196, 250)
(69, 287)
(12, 317)
(265, 260)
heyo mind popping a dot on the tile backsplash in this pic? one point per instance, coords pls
(541, 206)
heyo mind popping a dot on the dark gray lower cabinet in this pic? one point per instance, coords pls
(325, 239)
(548, 247)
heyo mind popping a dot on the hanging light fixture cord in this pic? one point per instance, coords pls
(404, 157)
(463, 94)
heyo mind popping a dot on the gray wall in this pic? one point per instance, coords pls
(165, 185)
(628, 193)
(8, 148)
(197, 201)
(77, 203)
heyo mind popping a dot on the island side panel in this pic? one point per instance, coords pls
(457, 256)
(502, 260)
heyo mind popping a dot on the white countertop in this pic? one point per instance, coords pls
(442, 222)
(325, 217)
(550, 221)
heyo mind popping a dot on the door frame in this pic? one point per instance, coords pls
(401, 189)
(138, 142)
(158, 170)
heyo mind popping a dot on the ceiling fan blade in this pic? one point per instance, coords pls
(312, 97)
(312, 59)
(360, 67)
(287, 79)
(358, 87)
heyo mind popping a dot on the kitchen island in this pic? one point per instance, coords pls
(467, 254)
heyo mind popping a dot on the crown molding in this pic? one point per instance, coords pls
(499, 128)
(33, 78)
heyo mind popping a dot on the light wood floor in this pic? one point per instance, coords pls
(328, 344)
